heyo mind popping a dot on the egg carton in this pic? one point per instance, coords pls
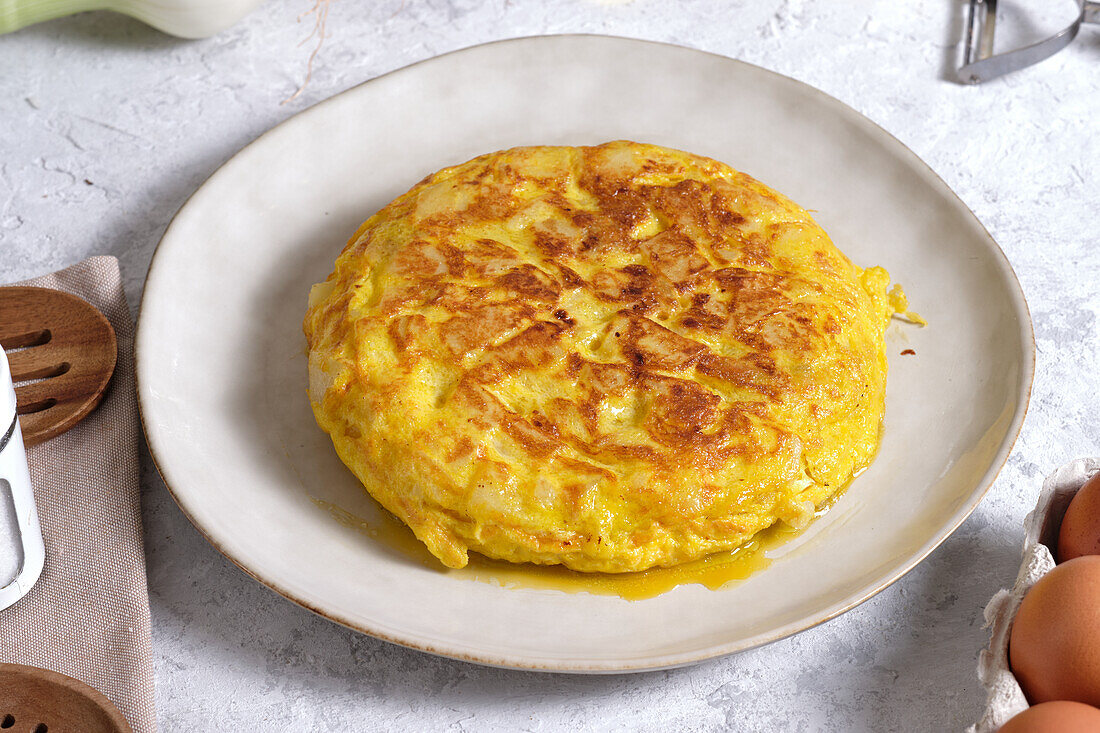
(1004, 696)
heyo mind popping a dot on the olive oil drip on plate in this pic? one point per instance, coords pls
(712, 571)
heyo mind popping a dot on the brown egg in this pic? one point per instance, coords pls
(1080, 533)
(1054, 647)
(1060, 716)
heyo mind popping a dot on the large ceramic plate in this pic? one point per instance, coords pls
(222, 369)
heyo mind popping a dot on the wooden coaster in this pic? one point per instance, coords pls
(34, 700)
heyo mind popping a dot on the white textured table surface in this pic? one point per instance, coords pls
(106, 127)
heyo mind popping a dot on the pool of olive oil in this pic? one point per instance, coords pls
(713, 571)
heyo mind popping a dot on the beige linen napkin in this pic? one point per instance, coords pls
(88, 615)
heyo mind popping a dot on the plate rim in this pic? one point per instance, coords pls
(670, 660)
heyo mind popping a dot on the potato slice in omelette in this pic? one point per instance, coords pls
(612, 357)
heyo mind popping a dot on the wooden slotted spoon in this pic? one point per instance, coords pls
(62, 354)
(34, 700)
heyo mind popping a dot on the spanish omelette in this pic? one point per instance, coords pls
(613, 358)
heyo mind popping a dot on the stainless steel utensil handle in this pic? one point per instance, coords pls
(979, 62)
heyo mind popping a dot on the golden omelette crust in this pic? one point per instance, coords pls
(609, 357)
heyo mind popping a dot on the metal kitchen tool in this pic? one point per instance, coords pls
(21, 550)
(981, 64)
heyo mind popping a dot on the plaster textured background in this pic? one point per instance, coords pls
(106, 127)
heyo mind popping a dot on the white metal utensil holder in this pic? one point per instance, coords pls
(15, 477)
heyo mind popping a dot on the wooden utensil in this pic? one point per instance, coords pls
(62, 354)
(34, 700)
